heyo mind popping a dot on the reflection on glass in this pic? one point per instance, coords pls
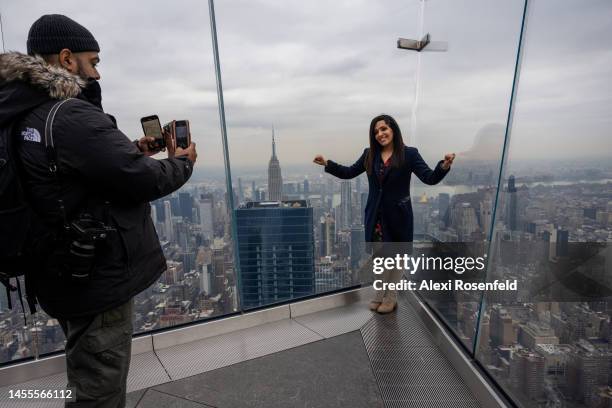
(465, 95)
(301, 80)
(548, 344)
(160, 66)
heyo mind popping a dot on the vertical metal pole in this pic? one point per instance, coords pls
(417, 80)
(228, 172)
(2, 33)
(502, 167)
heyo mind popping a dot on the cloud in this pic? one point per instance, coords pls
(320, 71)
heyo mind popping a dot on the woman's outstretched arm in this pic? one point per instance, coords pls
(422, 170)
(341, 171)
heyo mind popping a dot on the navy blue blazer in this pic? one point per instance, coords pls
(393, 196)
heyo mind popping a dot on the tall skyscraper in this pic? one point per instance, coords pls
(346, 207)
(421, 210)
(330, 235)
(306, 188)
(240, 192)
(443, 204)
(587, 369)
(168, 227)
(363, 201)
(325, 278)
(327, 235)
(322, 238)
(275, 180)
(218, 265)
(530, 367)
(276, 251)
(511, 209)
(175, 205)
(186, 205)
(254, 193)
(205, 207)
(486, 215)
(206, 279)
(464, 220)
(357, 246)
(562, 245)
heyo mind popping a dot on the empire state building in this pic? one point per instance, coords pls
(275, 180)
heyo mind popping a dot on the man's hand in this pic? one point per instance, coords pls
(448, 160)
(170, 143)
(146, 143)
(189, 152)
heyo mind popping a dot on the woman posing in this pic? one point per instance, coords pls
(388, 213)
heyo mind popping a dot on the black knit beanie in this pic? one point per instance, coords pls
(53, 32)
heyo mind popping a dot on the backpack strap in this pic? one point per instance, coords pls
(49, 145)
(52, 158)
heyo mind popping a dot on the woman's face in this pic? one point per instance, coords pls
(383, 133)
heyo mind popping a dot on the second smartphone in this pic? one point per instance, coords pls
(180, 132)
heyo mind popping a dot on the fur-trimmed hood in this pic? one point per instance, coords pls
(26, 82)
(56, 82)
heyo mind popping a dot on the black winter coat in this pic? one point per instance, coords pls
(392, 198)
(97, 164)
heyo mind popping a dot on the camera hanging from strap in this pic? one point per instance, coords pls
(84, 232)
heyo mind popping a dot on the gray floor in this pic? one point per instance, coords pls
(409, 368)
(328, 373)
(343, 357)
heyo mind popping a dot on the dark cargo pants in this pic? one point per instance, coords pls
(98, 351)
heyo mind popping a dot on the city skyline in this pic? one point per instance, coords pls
(201, 282)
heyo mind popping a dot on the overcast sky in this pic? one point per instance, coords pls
(319, 71)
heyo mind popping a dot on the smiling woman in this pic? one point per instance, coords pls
(389, 165)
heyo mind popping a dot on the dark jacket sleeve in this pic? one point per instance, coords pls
(344, 172)
(422, 170)
(90, 147)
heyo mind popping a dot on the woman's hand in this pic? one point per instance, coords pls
(320, 160)
(448, 160)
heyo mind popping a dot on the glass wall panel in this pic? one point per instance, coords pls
(463, 107)
(15, 337)
(301, 79)
(155, 59)
(548, 343)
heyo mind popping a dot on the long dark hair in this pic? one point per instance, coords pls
(397, 158)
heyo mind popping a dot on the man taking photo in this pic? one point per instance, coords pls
(94, 179)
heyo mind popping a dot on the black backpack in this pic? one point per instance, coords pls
(16, 215)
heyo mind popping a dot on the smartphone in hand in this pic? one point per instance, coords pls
(152, 127)
(182, 134)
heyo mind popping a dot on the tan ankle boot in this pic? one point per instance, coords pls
(386, 307)
(374, 305)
